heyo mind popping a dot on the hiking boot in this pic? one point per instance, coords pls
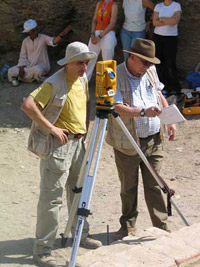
(90, 243)
(124, 232)
(45, 259)
(77, 264)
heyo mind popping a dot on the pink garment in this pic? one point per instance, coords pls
(34, 57)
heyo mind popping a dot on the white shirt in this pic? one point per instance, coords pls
(34, 52)
(143, 96)
(167, 11)
(134, 13)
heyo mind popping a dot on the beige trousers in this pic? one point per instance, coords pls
(58, 172)
(128, 167)
(31, 73)
(106, 46)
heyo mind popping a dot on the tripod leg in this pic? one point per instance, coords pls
(141, 154)
(73, 211)
(84, 204)
(179, 212)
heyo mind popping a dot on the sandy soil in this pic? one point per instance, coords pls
(19, 183)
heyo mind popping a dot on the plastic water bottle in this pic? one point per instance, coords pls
(4, 71)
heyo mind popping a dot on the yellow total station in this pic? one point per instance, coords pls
(105, 84)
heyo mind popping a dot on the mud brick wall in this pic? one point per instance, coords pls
(53, 15)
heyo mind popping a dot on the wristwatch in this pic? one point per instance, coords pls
(142, 112)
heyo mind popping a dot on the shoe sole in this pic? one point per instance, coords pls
(42, 263)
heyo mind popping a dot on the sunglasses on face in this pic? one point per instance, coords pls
(146, 63)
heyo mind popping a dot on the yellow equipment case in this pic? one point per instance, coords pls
(191, 104)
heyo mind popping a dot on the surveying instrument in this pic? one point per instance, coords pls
(105, 91)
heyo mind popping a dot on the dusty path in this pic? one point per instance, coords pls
(19, 183)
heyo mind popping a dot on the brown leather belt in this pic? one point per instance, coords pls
(75, 136)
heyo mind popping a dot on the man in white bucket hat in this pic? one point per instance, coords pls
(59, 110)
(33, 61)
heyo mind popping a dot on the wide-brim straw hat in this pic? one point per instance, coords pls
(144, 49)
(29, 25)
(77, 51)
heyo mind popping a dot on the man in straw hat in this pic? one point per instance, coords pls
(138, 101)
(60, 117)
(33, 61)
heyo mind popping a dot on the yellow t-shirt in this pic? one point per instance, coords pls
(73, 114)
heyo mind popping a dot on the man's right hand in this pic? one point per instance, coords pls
(31, 109)
(21, 71)
(152, 112)
(61, 134)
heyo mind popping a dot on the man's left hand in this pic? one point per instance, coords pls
(171, 130)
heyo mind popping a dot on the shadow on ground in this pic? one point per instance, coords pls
(16, 252)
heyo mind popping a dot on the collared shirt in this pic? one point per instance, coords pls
(143, 96)
(34, 52)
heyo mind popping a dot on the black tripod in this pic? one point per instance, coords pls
(87, 180)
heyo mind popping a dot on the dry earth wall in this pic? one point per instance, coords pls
(53, 15)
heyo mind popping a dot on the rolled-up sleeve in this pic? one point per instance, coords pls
(118, 97)
(160, 86)
(49, 41)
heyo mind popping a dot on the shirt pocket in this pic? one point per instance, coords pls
(58, 101)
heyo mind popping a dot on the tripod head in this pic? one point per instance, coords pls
(105, 84)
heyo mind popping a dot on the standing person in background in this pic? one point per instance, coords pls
(103, 37)
(33, 61)
(134, 24)
(166, 18)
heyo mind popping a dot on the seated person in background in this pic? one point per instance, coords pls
(33, 61)
(103, 37)
(134, 24)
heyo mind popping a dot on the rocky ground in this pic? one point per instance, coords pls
(19, 183)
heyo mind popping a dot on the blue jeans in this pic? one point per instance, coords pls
(128, 38)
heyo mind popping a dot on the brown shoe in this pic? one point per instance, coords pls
(45, 259)
(124, 232)
(90, 243)
(165, 227)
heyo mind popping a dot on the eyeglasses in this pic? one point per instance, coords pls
(83, 62)
(146, 63)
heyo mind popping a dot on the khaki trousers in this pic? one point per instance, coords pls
(128, 167)
(60, 171)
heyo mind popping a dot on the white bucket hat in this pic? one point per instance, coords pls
(76, 51)
(29, 25)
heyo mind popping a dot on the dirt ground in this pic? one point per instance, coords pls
(19, 183)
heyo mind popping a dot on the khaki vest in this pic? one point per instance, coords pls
(40, 141)
(115, 136)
